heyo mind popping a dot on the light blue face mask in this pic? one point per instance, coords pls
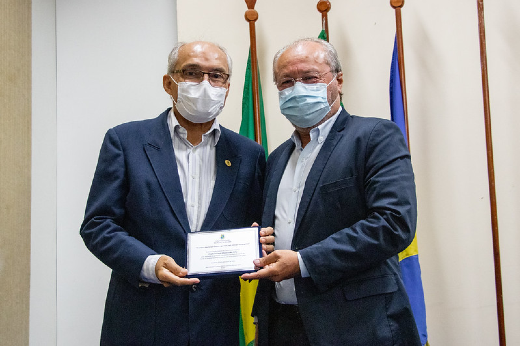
(305, 105)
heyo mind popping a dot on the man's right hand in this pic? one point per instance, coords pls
(170, 273)
(266, 238)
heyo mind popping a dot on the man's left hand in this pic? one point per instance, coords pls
(277, 266)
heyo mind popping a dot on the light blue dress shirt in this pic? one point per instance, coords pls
(289, 196)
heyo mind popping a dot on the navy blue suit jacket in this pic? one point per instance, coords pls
(136, 209)
(357, 212)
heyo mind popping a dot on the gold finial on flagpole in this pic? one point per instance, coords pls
(397, 3)
(251, 14)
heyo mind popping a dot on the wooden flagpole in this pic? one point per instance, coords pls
(324, 7)
(251, 16)
(397, 5)
(491, 174)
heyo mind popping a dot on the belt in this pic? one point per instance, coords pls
(285, 309)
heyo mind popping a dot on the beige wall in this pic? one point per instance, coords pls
(446, 129)
(15, 168)
(446, 126)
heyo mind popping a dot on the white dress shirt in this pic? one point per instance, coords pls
(197, 170)
(289, 196)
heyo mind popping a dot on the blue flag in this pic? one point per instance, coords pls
(409, 258)
(396, 95)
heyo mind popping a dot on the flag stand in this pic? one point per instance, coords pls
(251, 16)
(491, 175)
(324, 7)
(397, 5)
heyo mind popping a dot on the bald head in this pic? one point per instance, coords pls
(200, 50)
(319, 49)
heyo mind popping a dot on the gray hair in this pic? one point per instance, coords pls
(174, 56)
(330, 53)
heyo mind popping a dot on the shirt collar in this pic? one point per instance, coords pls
(318, 133)
(176, 129)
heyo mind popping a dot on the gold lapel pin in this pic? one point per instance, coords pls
(228, 163)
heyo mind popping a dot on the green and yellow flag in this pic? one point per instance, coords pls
(247, 128)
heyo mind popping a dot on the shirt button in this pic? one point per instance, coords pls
(194, 288)
(289, 221)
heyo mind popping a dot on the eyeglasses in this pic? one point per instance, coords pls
(215, 78)
(309, 78)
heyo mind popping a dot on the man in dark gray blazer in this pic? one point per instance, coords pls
(340, 195)
(158, 180)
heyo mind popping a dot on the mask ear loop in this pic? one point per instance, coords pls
(171, 97)
(335, 75)
(332, 80)
(335, 100)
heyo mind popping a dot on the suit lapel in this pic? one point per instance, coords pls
(159, 150)
(330, 143)
(228, 164)
(274, 180)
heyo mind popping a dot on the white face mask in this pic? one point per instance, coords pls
(199, 102)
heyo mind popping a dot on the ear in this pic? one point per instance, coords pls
(227, 93)
(169, 85)
(339, 78)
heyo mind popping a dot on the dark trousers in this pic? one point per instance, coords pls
(286, 326)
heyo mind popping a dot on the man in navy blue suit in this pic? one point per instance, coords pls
(158, 180)
(340, 195)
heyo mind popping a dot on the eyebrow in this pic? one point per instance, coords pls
(197, 66)
(289, 75)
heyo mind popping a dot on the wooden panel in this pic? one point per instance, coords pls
(15, 170)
